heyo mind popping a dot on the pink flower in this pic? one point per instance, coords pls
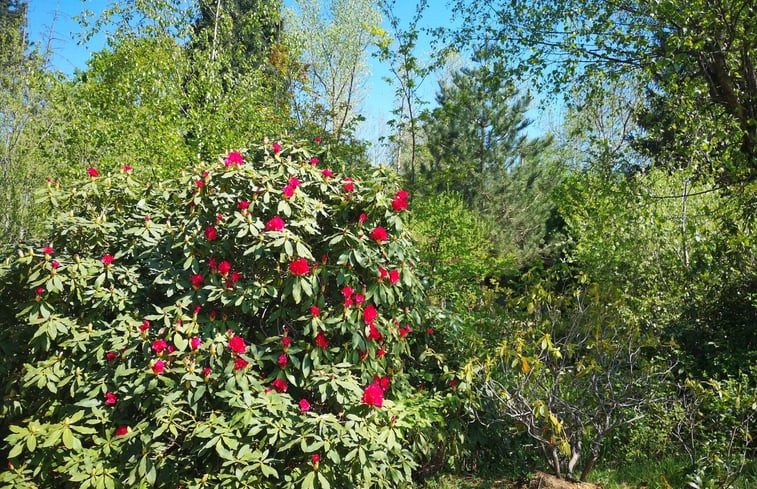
(40, 290)
(384, 383)
(196, 280)
(122, 430)
(195, 343)
(126, 168)
(92, 172)
(288, 191)
(294, 182)
(237, 344)
(373, 395)
(144, 326)
(286, 341)
(394, 276)
(200, 183)
(315, 458)
(240, 363)
(314, 160)
(363, 217)
(379, 234)
(280, 385)
(159, 345)
(347, 291)
(327, 173)
(299, 267)
(315, 311)
(359, 298)
(304, 405)
(275, 224)
(159, 367)
(382, 273)
(48, 250)
(198, 308)
(282, 361)
(374, 333)
(111, 355)
(107, 260)
(276, 147)
(110, 398)
(369, 314)
(348, 185)
(210, 233)
(234, 158)
(243, 205)
(224, 267)
(321, 341)
(206, 372)
(55, 264)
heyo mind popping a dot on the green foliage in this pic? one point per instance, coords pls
(168, 334)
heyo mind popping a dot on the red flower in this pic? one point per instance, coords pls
(107, 260)
(380, 353)
(126, 168)
(314, 311)
(379, 234)
(243, 205)
(224, 267)
(294, 182)
(382, 273)
(283, 360)
(159, 345)
(280, 385)
(122, 430)
(196, 280)
(314, 160)
(363, 217)
(299, 267)
(276, 147)
(318, 139)
(369, 314)
(315, 458)
(237, 344)
(200, 183)
(404, 331)
(453, 382)
(374, 333)
(48, 250)
(111, 355)
(206, 372)
(288, 191)
(40, 290)
(144, 326)
(304, 405)
(159, 367)
(286, 341)
(347, 291)
(359, 298)
(92, 172)
(240, 363)
(399, 204)
(110, 398)
(195, 343)
(275, 224)
(235, 276)
(321, 341)
(384, 383)
(327, 173)
(373, 395)
(55, 264)
(212, 263)
(348, 185)
(402, 195)
(198, 308)
(210, 233)
(234, 158)
(430, 330)
(348, 302)
(394, 276)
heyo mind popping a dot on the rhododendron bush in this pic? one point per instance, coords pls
(241, 325)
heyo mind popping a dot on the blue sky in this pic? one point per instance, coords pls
(58, 17)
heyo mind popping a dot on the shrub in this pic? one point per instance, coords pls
(242, 325)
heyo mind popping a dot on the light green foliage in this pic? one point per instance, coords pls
(197, 262)
(332, 38)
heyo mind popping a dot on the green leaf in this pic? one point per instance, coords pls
(307, 482)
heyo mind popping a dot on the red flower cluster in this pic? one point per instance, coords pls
(315, 311)
(195, 343)
(321, 341)
(280, 385)
(379, 234)
(299, 267)
(304, 405)
(234, 158)
(276, 148)
(92, 172)
(159, 345)
(282, 361)
(369, 314)
(224, 267)
(405, 331)
(122, 430)
(373, 395)
(210, 233)
(240, 363)
(400, 201)
(327, 173)
(374, 333)
(196, 280)
(348, 184)
(159, 367)
(243, 205)
(275, 224)
(48, 250)
(107, 260)
(237, 344)
(314, 160)
(293, 183)
(110, 398)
